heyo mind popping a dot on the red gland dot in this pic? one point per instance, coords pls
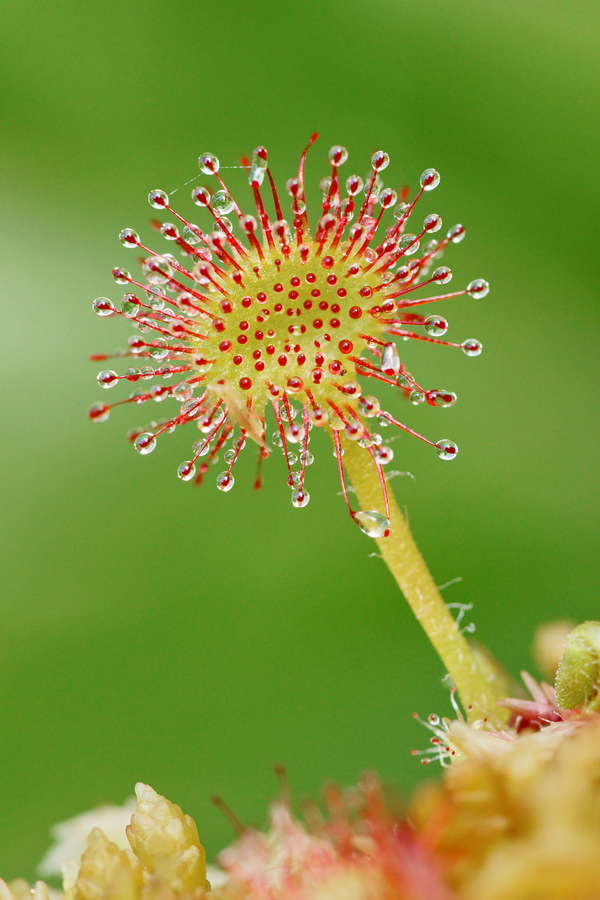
(278, 307)
(238, 360)
(242, 339)
(259, 335)
(270, 349)
(332, 279)
(366, 291)
(317, 323)
(301, 359)
(261, 297)
(328, 262)
(295, 384)
(244, 326)
(278, 287)
(323, 305)
(256, 354)
(317, 376)
(346, 346)
(295, 281)
(342, 292)
(335, 367)
(311, 278)
(282, 360)
(226, 306)
(293, 295)
(259, 366)
(355, 312)
(307, 304)
(247, 301)
(335, 307)
(245, 384)
(319, 359)
(224, 346)
(315, 292)
(335, 323)
(218, 324)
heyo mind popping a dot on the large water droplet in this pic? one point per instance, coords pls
(416, 397)
(129, 238)
(209, 164)
(436, 326)
(222, 203)
(432, 223)
(390, 362)
(442, 275)
(441, 398)
(145, 443)
(258, 166)
(430, 179)
(158, 349)
(186, 470)
(300, 499)
(225, 481)
(456, 234)
(157, 269)
(102, 306)
(158, 199)
(380, 160)
(373, 524)
(478, 288)
(130, 306)
(446, 449)
(471, 347)
(337, 155)
(99, 412)
(107, 378)
(369, 406)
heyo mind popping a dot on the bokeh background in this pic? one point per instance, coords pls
(155, 631)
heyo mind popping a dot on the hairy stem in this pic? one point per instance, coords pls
(476, 687)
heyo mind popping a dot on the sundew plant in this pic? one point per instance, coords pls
(266, 327)
(264, 323)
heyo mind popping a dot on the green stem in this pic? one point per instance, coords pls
(475, 686)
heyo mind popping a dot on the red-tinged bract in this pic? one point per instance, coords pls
(259, 311)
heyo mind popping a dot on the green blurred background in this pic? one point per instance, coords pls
(155, 631)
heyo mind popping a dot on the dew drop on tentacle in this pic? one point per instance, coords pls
(436, 326)
(390, 362)
(430, 179)
(158, 199)
(440, 398)
(102, 306)
(478, 288)
(208, 163)
(186, 471)
(222, 203)
(456, 234)
(442, 275)
(446, 449)
(372, 523)
(432, 223)
(107, 378)
(99, 412)
(129, 238)
(225, 481)
(471, 347)
(300, 499)
(145, 443)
